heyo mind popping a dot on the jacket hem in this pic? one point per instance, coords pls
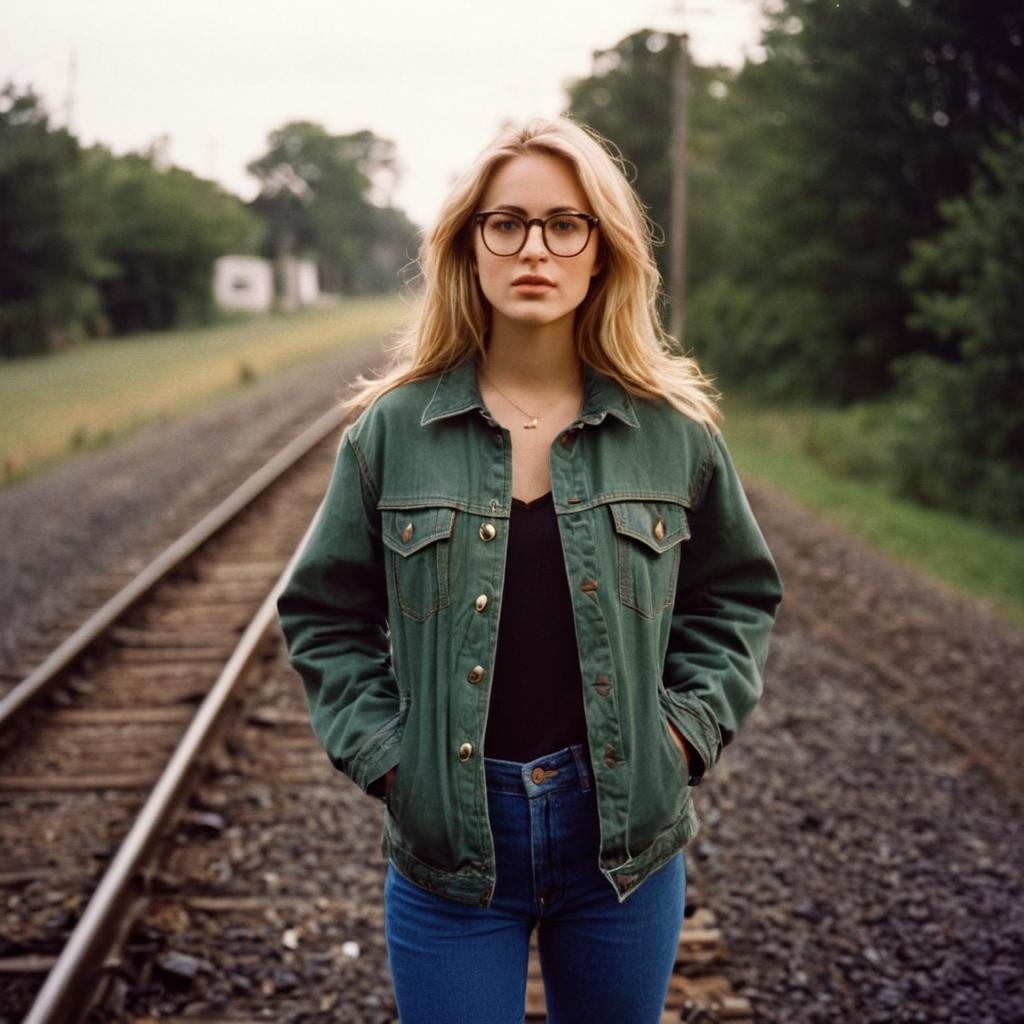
(627, 877)
(469, 886)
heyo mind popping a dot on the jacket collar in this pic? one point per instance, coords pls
(457, 392)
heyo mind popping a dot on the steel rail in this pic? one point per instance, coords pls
(43, 676)
(65, 993)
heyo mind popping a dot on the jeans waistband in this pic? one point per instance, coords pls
(568, 768)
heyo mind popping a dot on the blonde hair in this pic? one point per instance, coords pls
(617, 328)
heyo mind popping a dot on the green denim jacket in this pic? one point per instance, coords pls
(391, 616)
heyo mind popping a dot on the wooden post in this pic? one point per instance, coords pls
(677, 249)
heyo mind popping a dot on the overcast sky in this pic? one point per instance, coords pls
(436, 76)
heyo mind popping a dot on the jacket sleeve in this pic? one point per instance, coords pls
(727, 596)
(333, 613)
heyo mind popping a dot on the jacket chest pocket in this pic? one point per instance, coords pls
(648, 546)
(419, 541)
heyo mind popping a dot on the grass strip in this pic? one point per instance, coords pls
(769, 443)
(55, 405)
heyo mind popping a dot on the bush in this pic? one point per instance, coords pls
(961, 432)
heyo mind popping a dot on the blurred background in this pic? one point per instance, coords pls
(193, 196)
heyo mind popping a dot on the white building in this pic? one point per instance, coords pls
(247, 283)
(244, 283)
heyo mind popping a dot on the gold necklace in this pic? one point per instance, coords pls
(532, 421)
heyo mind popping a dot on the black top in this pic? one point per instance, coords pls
(536, 693)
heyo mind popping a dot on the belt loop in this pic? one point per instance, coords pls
(582, 766)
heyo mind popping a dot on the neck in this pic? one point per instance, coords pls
(541, 360)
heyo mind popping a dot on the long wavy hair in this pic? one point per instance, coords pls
(617, 328)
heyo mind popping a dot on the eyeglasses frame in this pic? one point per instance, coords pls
(591, 221)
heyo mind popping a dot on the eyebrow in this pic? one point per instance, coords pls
(554, 209)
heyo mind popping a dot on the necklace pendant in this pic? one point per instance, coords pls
(531, 423)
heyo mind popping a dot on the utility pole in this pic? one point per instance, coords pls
(69, 99)
(677, 249)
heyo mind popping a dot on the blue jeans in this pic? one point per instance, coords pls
(602, 960)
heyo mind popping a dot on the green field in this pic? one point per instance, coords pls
(52, 406)
(771, 444)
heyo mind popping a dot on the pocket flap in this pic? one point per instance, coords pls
(405, 531)
(657, 524)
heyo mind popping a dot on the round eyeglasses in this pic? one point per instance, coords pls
(564, 234)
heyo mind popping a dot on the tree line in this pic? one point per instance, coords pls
(93, 244)
(856, 234)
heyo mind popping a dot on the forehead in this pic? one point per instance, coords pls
(534, 181)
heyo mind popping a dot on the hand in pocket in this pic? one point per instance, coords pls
(679, 742)
(389, 778)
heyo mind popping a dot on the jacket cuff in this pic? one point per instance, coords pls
(378, 756)
(696, 724)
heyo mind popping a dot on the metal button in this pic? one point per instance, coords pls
(659, 529)
(537, 775)
(465, 751)
(481, 602)
(494, 506)
(407, 533)
(487, 531)
(588, 586)
(602, 686)
(609, 755)
(476, 673)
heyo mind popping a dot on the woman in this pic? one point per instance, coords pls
(535, 604)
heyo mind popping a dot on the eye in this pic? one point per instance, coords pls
(564, 225)
(505, 224)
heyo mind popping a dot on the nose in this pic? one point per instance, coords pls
(534, 245)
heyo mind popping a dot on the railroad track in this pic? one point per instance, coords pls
(173, 841)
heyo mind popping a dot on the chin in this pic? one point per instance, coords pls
(535, 317)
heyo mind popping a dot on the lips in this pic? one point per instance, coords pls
(532, 279)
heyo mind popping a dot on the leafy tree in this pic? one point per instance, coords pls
(92, 242)
(315, 195)
(962, 438)
(48, 249)
(162, 229)
(870, 114)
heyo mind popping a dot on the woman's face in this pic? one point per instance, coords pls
(534, 185)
